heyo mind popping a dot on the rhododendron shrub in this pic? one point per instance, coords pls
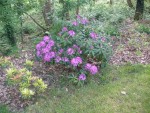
(93, 43)
(78, 46)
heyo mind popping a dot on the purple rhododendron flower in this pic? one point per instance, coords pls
(46, 38)
(51, 43)
(88, 66)
(79, 60)
(93, 35)
(74, 23)
(38, 54)
(75, 46)
(38, 46)
(65, 59)
(71, 33)
(45, 50)
(82, 77)
(47, 57)
(64, 29)
(52, 54)
(93, 70)
(57, 59)
(80, 51)
(70, 51)
(60, 51)
(76, 61)
(42, 44)
(49, 47)
(84, 21)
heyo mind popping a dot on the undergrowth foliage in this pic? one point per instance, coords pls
(78, 46)
(27, 84)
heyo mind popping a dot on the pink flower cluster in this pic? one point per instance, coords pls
(82, 77)
(76, 61)
(91, 68)
(93, 35)
(71, 33)
(44, 49)
(81, 20)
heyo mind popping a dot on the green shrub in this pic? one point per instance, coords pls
(97, 48)
(79, 46)
(143, 29)
(111, 30)
(5, 48)
(56, 27)
(29, 28)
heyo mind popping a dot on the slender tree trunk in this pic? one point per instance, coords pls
(129, 3)
(77, 9)
(111, 2)
(65, 11)
(35, 21)
(139, 10)
(7, 20)
(20, 13)
(9, 30)
(48, 12)
(67, 15)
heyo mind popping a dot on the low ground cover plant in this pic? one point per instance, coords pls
(24, 81)
(4, 62)
(143, 29)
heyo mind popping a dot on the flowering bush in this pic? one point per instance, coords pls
(78, 46)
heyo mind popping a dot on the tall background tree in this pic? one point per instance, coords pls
(129, 2)
(139, 10)
(6, 12)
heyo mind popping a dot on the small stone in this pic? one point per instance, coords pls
(67, 89)
(123, 92)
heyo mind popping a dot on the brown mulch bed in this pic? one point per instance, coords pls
(133, 47)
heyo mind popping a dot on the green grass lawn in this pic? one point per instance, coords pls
(103, 97)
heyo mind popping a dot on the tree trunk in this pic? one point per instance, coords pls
(77, 9)
(111, 2)
(20, 13)
(139, 10)
(7, 20)
(9, 30)
(48, 12)
(67, 15)
(35, 21)
(65, 11)
(129, 3)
